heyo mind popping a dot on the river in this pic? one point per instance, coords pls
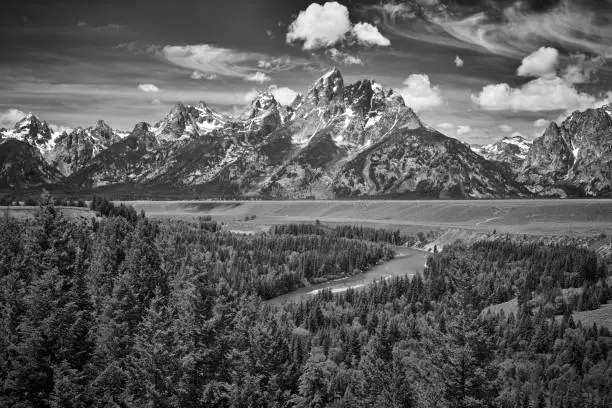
(407, 261)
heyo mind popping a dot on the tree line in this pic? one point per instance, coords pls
(393, 237)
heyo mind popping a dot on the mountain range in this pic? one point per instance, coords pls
(336, 140)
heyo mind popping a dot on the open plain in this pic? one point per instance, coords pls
(536, 217)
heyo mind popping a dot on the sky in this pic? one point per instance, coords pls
(476, 70)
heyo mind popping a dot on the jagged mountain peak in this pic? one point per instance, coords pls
(511, 149)
(32, 130)
(264, 100)
(328, 87)
(588, 121)
(184, 121)
(141, 127)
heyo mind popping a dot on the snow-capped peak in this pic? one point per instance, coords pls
(509, 149)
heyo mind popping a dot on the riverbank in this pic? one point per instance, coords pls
(407, 261)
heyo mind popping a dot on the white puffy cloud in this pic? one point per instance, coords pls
(148, 88)
(419, 94)
(541, 94)
(540, 123)
(320, 26)
(540, 63)
(343, 57)
(9, 117)
(463, 129)
(200, 75)
(458, 62)
(323, 26)
(367, 34)
(258, 77)
(505, 128)
(155, 102)
(283, 95)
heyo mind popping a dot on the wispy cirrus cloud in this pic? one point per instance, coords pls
(343, 58)
(210, 62)
(210, 59)
(508, 28)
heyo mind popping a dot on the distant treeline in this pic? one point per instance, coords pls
(499, 271)
(30, 201)
(393, 237)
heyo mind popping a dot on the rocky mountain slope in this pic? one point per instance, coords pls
(23, 166)
(574, 157)
(335, 140)
(510, 149)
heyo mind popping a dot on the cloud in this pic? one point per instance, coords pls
(446, 126)
(275, 64)
(343, 57)
(582, 69)
(505, 128)
(324, 26)
(148, 88)
(540, 123)
(9, 117)
(59, 128)
(258, 77)
(155, 102)
(107, 28)
(397, 10)
(367, 34)
(540, 63)
(458, 62)
(200, 75)
(283, 95)
(549, 91)
(209, 59)
(419, 94)
(541, 94)
(508, 28)
(463, 129)
(594, 104)
(320, 26)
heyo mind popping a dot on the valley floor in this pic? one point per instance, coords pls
(534, 217)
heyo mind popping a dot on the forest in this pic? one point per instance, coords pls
(123, 311)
